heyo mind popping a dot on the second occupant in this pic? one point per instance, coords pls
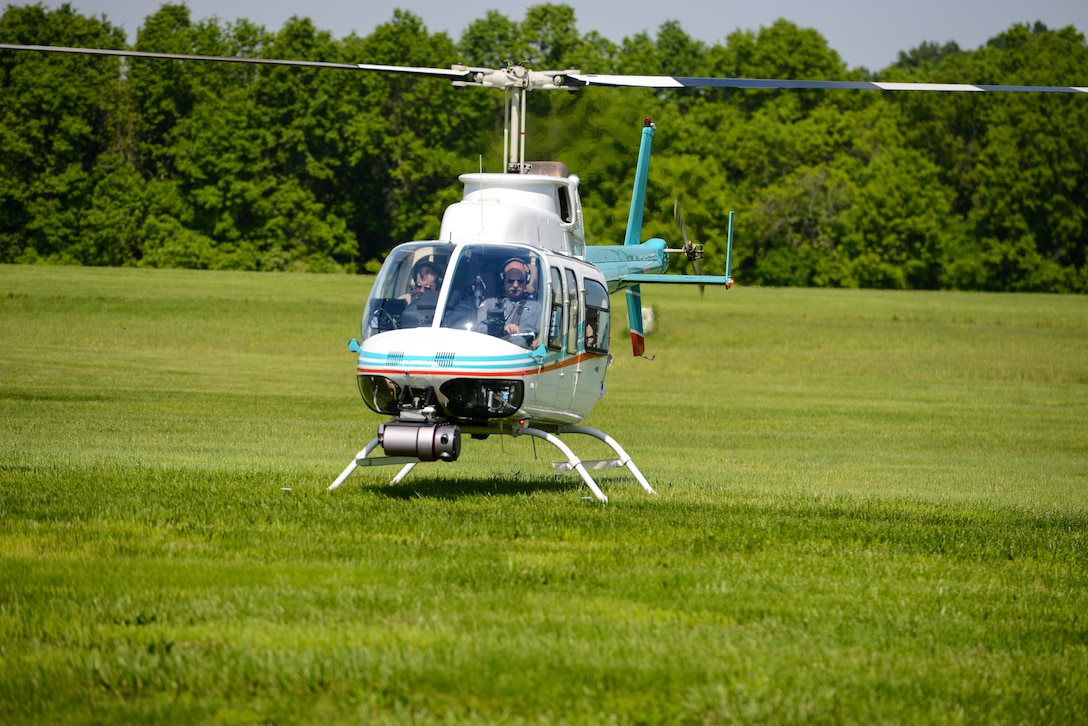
(425, 276)
(421, 298)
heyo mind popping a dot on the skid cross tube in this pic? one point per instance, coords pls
(572, 463)
(623, 460)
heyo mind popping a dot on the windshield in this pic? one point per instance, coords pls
(491, 289)
(495, 290)
(405, 293)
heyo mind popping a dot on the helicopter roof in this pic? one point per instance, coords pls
(540, 208)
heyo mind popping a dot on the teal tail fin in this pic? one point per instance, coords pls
(634, 233)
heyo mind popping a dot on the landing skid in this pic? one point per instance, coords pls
(572, 463)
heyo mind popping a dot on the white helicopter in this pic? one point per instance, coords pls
(510, 331)
(502, 325)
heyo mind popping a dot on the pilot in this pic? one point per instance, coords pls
(425, 276)
(515, 313)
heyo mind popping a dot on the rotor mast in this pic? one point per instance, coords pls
(516, 80)
(513, 150)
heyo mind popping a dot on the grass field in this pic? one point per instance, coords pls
(872, 507)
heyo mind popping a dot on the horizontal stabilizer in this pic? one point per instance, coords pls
(677, 279)
(591, 465)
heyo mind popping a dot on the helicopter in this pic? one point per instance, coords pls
(502, 325)
(453, 359)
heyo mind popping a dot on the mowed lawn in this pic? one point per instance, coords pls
(872, 507)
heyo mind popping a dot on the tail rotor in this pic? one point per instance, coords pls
(694, 252)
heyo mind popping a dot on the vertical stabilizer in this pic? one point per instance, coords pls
(634, 234)
(638, 193)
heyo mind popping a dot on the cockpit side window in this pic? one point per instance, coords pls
(572, 312)
(598, 321)
(564, 205)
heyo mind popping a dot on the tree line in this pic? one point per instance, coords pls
(110, 161)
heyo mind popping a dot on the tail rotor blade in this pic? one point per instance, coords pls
(689, 248)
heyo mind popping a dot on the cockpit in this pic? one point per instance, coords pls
(490, 289)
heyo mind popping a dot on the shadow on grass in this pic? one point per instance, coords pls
(438, 487)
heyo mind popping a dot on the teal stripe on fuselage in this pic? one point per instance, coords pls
(488, 363)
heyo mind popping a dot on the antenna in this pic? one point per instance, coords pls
(480, 207)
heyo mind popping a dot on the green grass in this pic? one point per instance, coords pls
(872, 507)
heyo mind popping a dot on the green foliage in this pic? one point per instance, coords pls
(550, 34)
(1014, 165)
(153, 163)
(53, 127)
(490, 41)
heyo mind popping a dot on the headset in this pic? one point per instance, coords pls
(526, 265)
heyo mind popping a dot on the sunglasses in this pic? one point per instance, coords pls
(516, 279)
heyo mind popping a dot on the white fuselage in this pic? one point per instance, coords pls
(438, 350)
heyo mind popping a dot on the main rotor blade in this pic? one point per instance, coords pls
(592, 79)
(566, 79)
(448, 73)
